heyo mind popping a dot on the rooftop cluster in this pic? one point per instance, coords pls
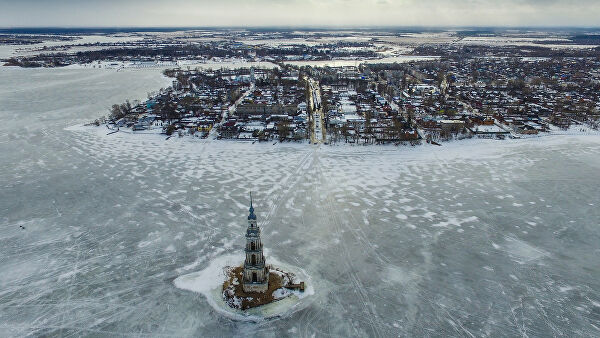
(432, 101)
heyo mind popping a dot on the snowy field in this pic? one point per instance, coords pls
(345, 63)
(474, 238)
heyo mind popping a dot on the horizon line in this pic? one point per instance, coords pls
(329, 27)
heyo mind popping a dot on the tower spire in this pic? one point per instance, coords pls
(252, 215)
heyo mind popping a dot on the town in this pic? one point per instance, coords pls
(389, 103)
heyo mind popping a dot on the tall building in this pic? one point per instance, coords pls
(256, 272)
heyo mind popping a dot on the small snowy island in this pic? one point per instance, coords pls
(253, 290)
(255, 283)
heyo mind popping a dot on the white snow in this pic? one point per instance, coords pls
(281, 293)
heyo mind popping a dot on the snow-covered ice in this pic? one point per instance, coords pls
(95, 229)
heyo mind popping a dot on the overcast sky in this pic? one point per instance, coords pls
(84, 13)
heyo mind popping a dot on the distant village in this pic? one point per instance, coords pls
(147, 49)
(408, 103)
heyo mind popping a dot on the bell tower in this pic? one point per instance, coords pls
(256, 272)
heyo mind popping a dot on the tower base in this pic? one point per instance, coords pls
(240, 295)
(255, 287)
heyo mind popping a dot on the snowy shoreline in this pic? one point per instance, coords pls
(471, 147)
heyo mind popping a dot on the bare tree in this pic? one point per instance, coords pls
(116, 112)
(283, 129)
(345, 132)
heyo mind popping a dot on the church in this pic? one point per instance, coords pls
(256, 272)
(255, 283)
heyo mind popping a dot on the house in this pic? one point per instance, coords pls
(452, 125)
(488, 131)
